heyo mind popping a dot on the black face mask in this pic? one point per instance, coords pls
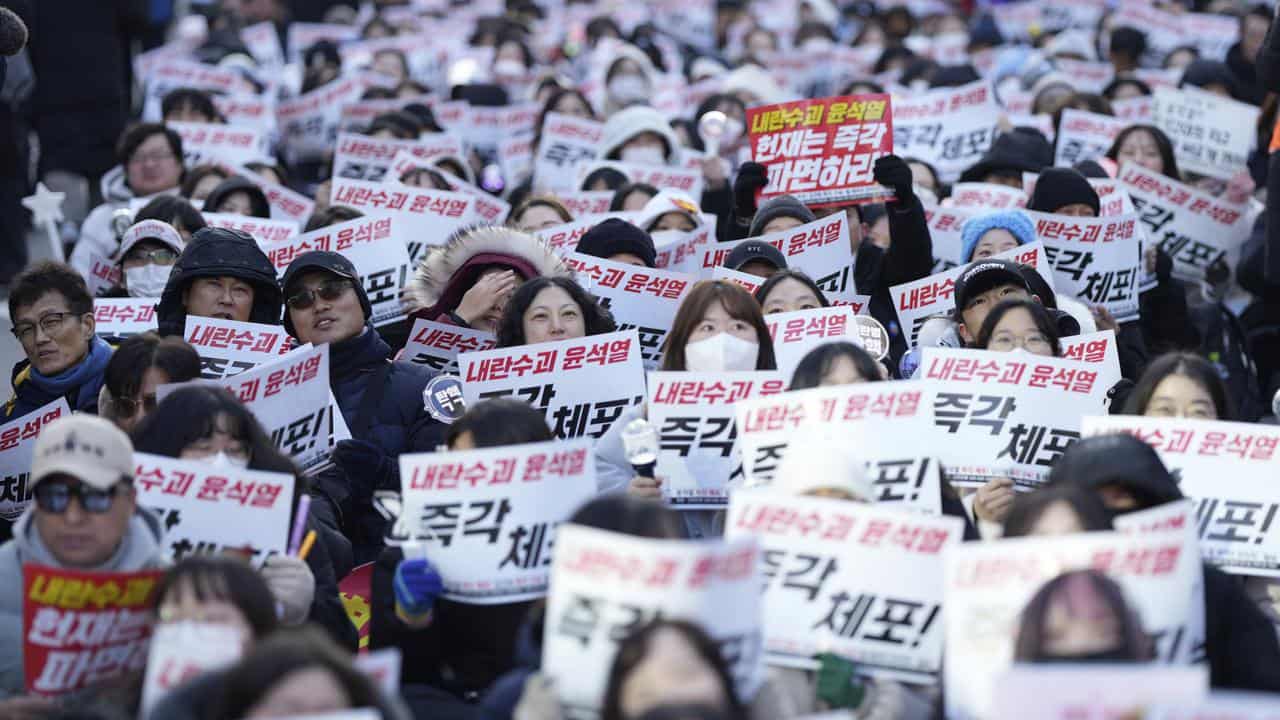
(1100, 656)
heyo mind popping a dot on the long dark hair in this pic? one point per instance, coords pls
(1163, 144)
(1188, 365)
(622, 513)
(500, 421)
(1029, 507)
(1039, 316)
(595, 319)
(212, 578)
(818, 361)
(762, 293)
(633, 649)
(740, 306)
(1029, 646)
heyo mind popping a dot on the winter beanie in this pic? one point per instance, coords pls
(1057, 188)
(1015, 221)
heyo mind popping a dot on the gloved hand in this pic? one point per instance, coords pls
(293, 586)
(367, 467)
(838, 687)
(417, 584)
(894, 172)
(752, 177)
(1164, 265)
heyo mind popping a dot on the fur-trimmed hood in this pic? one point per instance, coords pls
(447, 271)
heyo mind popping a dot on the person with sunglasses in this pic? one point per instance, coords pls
(85, 517)
(390, 407)
(221, 273)
(141, 364)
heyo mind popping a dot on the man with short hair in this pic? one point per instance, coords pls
(85, 517)
(982, 286)
(221, 274)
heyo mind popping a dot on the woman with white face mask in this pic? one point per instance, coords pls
(148, 250)
(628, 80)
(640, 135)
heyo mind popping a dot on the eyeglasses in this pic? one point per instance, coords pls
(51, 324)
(329, 291)
(54, 496)
(162, 256)
(155, 157)
(128, 407)
(1035, 343)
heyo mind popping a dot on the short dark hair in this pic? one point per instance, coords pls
(1163, 144)
(133, 357)
(331, 215)
(198, 100)
(595, 319)
(434, 175)
(622, 513)
(622, 191)
(1189, 365)
(198, 173)
(1029, 645)
(818, 361)
(633, 649)
(137, 134)
(212, 578)
(278, 169)
(174, 210)
(762, 292)
(611, 177)
(1039, 316)
(736, 301)
(1028, 507)
(500, 421)
(45, 277)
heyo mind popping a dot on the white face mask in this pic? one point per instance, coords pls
(147, 281)
(223, 460)
(628, 88)
(508, 68)
(662, 238)
(643, 155)
(721, 352)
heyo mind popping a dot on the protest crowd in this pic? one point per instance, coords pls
(666, 360)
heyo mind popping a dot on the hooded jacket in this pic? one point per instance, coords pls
(448, 271)
(257, 198)
(141, 549)
(218, 252)
(96, 234)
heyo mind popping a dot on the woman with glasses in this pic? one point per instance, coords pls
(1019, 325)
(148, 251)
(139, 365)
(390, 407)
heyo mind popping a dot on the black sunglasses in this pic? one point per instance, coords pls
(54, 496)
(329, 291)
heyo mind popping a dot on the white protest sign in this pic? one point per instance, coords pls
(1219, 705)
(485, 128)
(986, 197)
(563, 239)
(1211, 135)
(1007, 414)
(488, 517)
(1086, 75)
(945, 229)
(681, 251)
(489, 209)
(605, 585)
(1099, 348)
(286, 203)
(103, 275)
(229, 347)
(208, 509)
(180, 651)
(250, 111)
(431, 216)
(375, 244)
(17, 450)
(988, 585)
(917, 301)
(583, 385)
(746, 281)
(861, 581)
(881, 423)
(950, 128)
(122, 317)
(263, 43)
(566, 143)
(437, 345)
(586, 203)
(382, 666)
(639, 298)
(1228, 468)
(1135, 109)
(309, 123)
(663, 177)
(302, 35)
(820, 249)
(693, 412)
(800, 331)
(1083, 135)
(290, 397)
(173, 73)
(209, 142)
(1193, 227)
(1097, 261)
(264, 230)
(1085, 691)
(362, 157)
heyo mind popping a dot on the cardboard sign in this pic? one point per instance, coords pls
(362, 157)
(986, 197)
(917, 301)
(988, 584)
(1007, 414)
(1211, 135)
(566, 143)
(309, 123)
(208, 509)
(264, 230)
(949, 128)
(82, 628)
(487, 518)
(122, 317)
(639, 298)
(583, 385)
(17, 450)
(823, 152)
(209, 142)
(1228, 469)
(228, 347)
(606, 585)
(430, 216)
(437, 345)
(693, 412)
(819, 249)
(798, 332)
(1097, 261)
(1083, 135)
(377, 245)
(1089, 691)
(1193, 227)
(180, 651)
(881, 423)
(861, 581)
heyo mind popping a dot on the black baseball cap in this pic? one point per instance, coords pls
(984, 275)
(755, 250)
(330, 262)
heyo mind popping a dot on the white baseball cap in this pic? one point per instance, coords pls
(86, 447)
(149, 230)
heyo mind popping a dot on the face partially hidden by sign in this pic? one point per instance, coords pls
(222, 297)
(975, 312)
(308, 691)
(671, 672)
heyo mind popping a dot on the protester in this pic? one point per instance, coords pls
(668, 663)
(631, 196)
(669, 211)
(1064, 191)
(1147, 146)
(639, 134)
(1078, 617)
(201, 180)
(788, 291)
(1060, 510)
(837, 363)
(148, 250)
(139, 366)
(619, 241)
(550, 309)
(1180, 385)
(985, 235)
(238, 196)
(539, 213)
(220, 274)
(174, 211)
(756, 257)
(983, 285)
(1019, 325)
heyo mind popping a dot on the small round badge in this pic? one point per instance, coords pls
(442, 398)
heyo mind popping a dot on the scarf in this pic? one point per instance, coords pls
(352, 354)
(85, 378)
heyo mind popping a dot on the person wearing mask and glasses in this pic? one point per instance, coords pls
(148, 251)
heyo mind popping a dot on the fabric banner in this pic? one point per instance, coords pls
(639, 298)
(17, 450)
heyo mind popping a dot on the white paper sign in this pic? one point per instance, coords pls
(746, 281)
(798, 332)
(361, 157)
(1093, 691)
(17, 450)
(1083, 135)
(208, 142)
(309, 123)
(567, 143)
(585, 203)
(180, 651)
(286, 203)
(1099, 348)
(1097, 261)
(264, 230)
(437, 345)
(431, 216)
(663, 177)
(945, 229)
(820, 249)
(949, 128)
(1211, 135)
(639, 298)
(987, 197)
(122, 317)
(228, 347)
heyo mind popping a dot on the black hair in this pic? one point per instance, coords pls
(398, 55)
(437, 180)
(1128, 41)
(1163, 144)
(1189, 365)
(276, 168)
(377, 92)
(422, 113)
(1195, 54)
(198, 173)
(331, 215)
(611, 177)
(599, 25)
(635, 647)
(1029, 507)
(45, 277)
(402, 125)
(622, 513)
(211, 578)
(178, 212)
(595, 319)
(1039, 316)
(739, 305)
(500, 421)
(622, 191)
(508, 36)
(762, 292)
(133, 357)
(938, 187)
(197, 100)
(1109, 92)
(818, 361)
(137, 134)
(1032, 627)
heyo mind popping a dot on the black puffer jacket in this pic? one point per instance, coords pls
(219, 252)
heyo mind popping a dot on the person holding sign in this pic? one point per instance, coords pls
(222, 274)
(620, 241)
(788, 291)
(238, 196)
(986, 235)
(1180, 385)
(390, 407)
(670, 664)
(549, 309)
(1080, 617)
(85, 517)
(836, 363)
(980, 287)
(139, 366)
(1019, 324)
(147, 253)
